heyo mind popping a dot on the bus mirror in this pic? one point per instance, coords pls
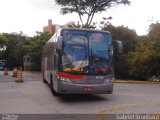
(119, 46)
(59, 43)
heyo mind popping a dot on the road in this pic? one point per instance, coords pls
(34, 97)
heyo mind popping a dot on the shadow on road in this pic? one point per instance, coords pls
(81, 98)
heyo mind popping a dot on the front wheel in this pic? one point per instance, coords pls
(52, 89)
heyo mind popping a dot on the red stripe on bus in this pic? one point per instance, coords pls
(67, 75)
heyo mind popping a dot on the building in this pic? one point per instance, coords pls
(51, 28)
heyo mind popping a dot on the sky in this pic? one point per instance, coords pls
(30, 16)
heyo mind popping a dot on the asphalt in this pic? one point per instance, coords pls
(34, 97)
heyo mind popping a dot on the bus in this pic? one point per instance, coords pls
(79, 61)
(2, 64)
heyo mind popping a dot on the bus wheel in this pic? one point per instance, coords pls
(44, 78)
(52, 89)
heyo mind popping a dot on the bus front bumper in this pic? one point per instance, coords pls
(71, 88)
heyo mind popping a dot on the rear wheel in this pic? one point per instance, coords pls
(52, 89)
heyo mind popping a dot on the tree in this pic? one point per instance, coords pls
(88, 8)
(126, 35)
(17, 46)
(129, 39)
(144, 61)
(136, 59)
(3, 42)
(34, 48)
(14, 49)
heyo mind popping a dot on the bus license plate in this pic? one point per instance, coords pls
(87, 88)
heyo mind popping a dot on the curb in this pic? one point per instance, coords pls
(136, 82)
(33, 72)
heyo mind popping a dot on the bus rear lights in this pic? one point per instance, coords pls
(87, 88)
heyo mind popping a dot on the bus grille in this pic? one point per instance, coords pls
(91, 81)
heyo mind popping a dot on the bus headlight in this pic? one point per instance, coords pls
(109, 80)
(64, 79)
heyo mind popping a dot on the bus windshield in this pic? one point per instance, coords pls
(86, 52)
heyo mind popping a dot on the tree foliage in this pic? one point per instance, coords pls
(14, 49)
(35, 46)
(144, 61)
(17, 46)
(3, 42)
(126, 35)
(88, 7)
(128, 38)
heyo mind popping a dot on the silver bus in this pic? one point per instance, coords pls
(79, 61)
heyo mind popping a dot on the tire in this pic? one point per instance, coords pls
(44, 78)
(52, 89)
